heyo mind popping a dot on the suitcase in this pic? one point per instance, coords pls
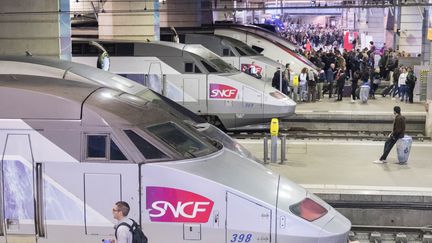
(347, 91)
(403, 147)
(386, 91)
(364, 93)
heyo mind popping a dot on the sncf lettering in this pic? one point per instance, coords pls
(174, 205)
(221, 91)
(227, 93)
(181, 209)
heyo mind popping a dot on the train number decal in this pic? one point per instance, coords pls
(241, 238)
(222, 91)
(174, 205)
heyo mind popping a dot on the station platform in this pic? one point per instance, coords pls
(375, 115)
(341, 171)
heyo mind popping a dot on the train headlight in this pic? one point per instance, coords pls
(278, 95)
(308, 209)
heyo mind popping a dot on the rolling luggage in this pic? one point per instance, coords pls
(403, 147)
(364, 93)
(347, 91)
(386, 91)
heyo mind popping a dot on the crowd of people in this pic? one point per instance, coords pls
(335, 68)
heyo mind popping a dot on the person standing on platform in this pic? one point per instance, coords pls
(397, 133)
(330, 73)
(287, 77)
(303, 84)
(354, 85)
(320, 84)
(340, 83)
(402, 84)
(276, 81)
(312, 83)
(410, 82)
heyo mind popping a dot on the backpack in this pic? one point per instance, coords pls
(137, 234)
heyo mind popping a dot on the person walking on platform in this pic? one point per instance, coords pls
(397, 133)
(122, 232)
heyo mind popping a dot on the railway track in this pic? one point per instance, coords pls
(400, 211)
(325, 134)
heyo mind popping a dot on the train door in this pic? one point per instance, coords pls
(247, 221)
(22, 208)
(252, 100)
(194, 94)
(154, 78)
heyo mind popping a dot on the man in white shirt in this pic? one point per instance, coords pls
(122, 232)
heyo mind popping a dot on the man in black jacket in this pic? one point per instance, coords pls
(398, 132)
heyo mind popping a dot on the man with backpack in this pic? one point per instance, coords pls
(126, 229)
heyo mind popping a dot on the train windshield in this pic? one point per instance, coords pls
(212, 62)
(243, 49)
(181, 140)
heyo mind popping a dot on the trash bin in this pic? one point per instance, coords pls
(403, 146)
(364, 93)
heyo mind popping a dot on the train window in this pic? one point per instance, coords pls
(189, 67)
(96, 146)
(147, 149)
(242, 53)
(258, 49)
(99, 149)
(115, 152)
(208, 67)
(197, 70)
(180, 140)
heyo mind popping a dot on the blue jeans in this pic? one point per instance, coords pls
(403, 92)
(391, 141)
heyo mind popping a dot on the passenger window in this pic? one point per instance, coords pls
(189, 67)
(147, 149)
(197, 70)
(115, 152)
(225, 52)
(96, 146)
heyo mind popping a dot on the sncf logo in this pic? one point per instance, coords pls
(244, 67)
(222, 91)
(174, 205)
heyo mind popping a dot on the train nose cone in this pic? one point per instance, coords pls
(336, 230)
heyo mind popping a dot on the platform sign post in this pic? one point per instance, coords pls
(266, 158)
(274, 131)
(283, 149)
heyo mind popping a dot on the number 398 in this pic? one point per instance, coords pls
(241, 238)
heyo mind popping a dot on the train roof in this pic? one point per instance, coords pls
(140, 48)
(96, 76)
(35, 97)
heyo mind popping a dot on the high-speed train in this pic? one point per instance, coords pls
(194, 77)
(55, 68)
(267, 43)
(70, 150)
(236, 53)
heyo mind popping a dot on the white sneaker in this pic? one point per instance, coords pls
(393, 98)
(380, 161)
